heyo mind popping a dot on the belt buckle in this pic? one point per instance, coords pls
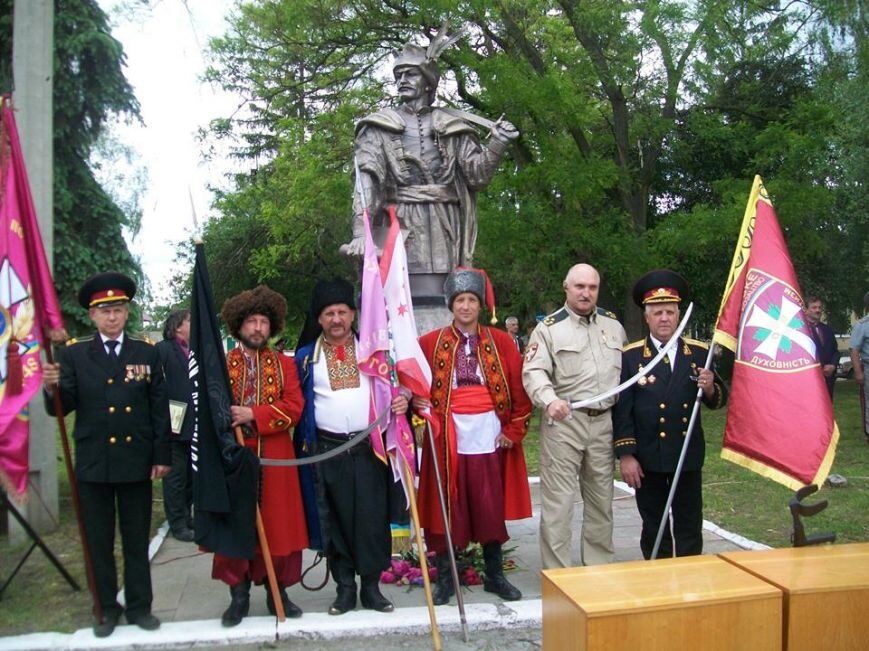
(594, 412)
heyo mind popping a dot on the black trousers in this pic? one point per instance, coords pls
(98, 504)
(356, 495)
(686, 512)
(178, 488)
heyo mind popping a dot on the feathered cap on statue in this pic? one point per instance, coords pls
(425, 58)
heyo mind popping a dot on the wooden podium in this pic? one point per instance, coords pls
(691, 603)
(826, 593)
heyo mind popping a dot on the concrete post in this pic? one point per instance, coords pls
(33, 72)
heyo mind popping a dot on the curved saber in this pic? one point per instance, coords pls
(670, 345)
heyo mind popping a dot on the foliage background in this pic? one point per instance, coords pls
(642, 122)
(89, 90)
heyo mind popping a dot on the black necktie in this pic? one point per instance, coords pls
(113, 349)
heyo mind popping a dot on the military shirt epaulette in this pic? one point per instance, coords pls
(143, 339)
(555, 317)
(602, 311)
(696, 342)
(73, 340)
(634, 344)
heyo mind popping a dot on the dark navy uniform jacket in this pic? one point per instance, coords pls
(650, 419)
(178, 386)
(121, 409)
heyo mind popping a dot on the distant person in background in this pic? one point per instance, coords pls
(860, 360)
(825, 341)
(511, 323)
(178, 484)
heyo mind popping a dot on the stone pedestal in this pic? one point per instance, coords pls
(429, 308)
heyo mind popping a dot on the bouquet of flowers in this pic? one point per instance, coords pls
(405, 569)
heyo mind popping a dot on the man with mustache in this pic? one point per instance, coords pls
(267, 404)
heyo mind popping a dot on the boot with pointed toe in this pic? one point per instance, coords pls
(239, 606)
(495, 581)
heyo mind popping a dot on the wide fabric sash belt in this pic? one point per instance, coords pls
(471, 399)
(429, 193)
(474, 399)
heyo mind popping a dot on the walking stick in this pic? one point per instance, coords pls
(423, 562)
(73, 489)
(460, 599)
(264, 547)
(691, 423)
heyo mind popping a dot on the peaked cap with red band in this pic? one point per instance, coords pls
(660, 286)
(109, 288)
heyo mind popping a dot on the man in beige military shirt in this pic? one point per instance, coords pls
(574, 354)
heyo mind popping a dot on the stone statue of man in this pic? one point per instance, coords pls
(429, 163)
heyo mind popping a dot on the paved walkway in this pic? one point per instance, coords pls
(190, 603)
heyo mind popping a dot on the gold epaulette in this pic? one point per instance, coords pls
(555, 317)
(73, 340)
(602, 311)
(634, 344)
(696, 342)
(144, 339)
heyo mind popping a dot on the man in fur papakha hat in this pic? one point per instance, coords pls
(267, 404)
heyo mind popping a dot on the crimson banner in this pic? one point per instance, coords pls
(780, 421)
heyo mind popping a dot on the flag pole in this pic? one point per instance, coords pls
(423, 561)
(264, 548)
(675, 483)
(73, 490)
(460, 599)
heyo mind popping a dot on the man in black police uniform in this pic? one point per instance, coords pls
(650, 420)
(114, 383)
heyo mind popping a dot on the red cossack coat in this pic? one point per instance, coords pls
(501, 365)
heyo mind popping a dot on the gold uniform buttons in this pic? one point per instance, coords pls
(663, 435)
(684, 405)
(128, 438)
(113, 439)
(128, 409)
(663, 420)
(110, 381)
(111, 410)
(684, 420)
(663, 406)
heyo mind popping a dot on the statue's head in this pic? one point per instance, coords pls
(414, 58)
(425, 61)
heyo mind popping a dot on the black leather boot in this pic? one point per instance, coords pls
(444, 588)
(345, 577)
(239, 606)
(495, 580)
(291, 610)
(371, 597)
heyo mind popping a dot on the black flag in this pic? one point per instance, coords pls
(224, 472)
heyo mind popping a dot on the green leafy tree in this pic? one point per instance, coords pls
(614, 102)
(89, 88)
